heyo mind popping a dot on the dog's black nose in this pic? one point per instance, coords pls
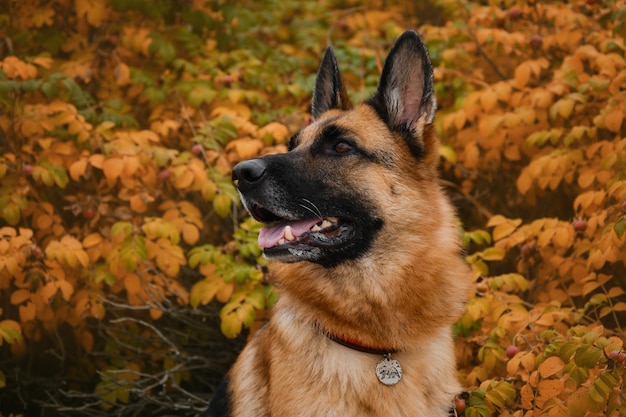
(247, 174)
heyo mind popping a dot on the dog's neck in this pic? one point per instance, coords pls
(354, 343)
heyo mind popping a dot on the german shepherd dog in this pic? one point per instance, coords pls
(367, 258)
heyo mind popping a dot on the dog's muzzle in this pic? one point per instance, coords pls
(248, 174)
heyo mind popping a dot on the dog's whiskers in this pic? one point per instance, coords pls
(315, 210)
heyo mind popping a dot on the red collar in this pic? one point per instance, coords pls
(354, 343)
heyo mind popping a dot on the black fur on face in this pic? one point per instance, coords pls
(304, 184)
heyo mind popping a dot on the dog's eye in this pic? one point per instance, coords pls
(342, 147)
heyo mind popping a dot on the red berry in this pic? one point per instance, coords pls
(89, 213)
(227, 79)
(624, 205)
(535, 41)
(459, 405)
(37, 252)
(196, 149)
(163, 175)
(27, 169)
(579, 225)
(620, 357)
(511, 351)
(613, 354)
(515, 13)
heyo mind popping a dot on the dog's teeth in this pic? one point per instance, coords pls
(281, 242)
(316, 228)
(325, 224)
(332, 219)
(288, 233)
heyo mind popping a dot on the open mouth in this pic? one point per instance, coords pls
(298, 236)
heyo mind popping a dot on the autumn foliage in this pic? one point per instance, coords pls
(125, 257)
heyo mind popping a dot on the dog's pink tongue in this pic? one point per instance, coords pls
(269, 236)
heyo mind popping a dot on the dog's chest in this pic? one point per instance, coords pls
(339, 381)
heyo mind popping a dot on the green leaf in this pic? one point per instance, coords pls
(588, 356)
(620, 227)
(121, 227)
(12, 214)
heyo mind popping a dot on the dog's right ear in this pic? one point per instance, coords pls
(329, 92)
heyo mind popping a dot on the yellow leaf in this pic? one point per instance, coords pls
(222, 205)
(276, 130)
(447, 152)
(231, 325)
(503, 230)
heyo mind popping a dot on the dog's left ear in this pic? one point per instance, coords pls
(405, 99)
(329, 92)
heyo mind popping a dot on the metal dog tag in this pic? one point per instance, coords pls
(389, 371)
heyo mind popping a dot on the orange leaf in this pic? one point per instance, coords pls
(132, 284)
(524, 181)
(97, 160)
(28, 312)
(551, 366)
(549, 388)
(19, 296)
(112, 167)
(586, 177)
(77, 169)
(155, 313)
(488, 99)
(87, 341)
(92, 240)
(613, 120)
(66, 289)
(522, 75)
(138, 204)
(191, 235)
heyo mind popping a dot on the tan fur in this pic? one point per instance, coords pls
(404, 295)
(403, 288)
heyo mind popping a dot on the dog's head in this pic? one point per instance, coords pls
(354, 174)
